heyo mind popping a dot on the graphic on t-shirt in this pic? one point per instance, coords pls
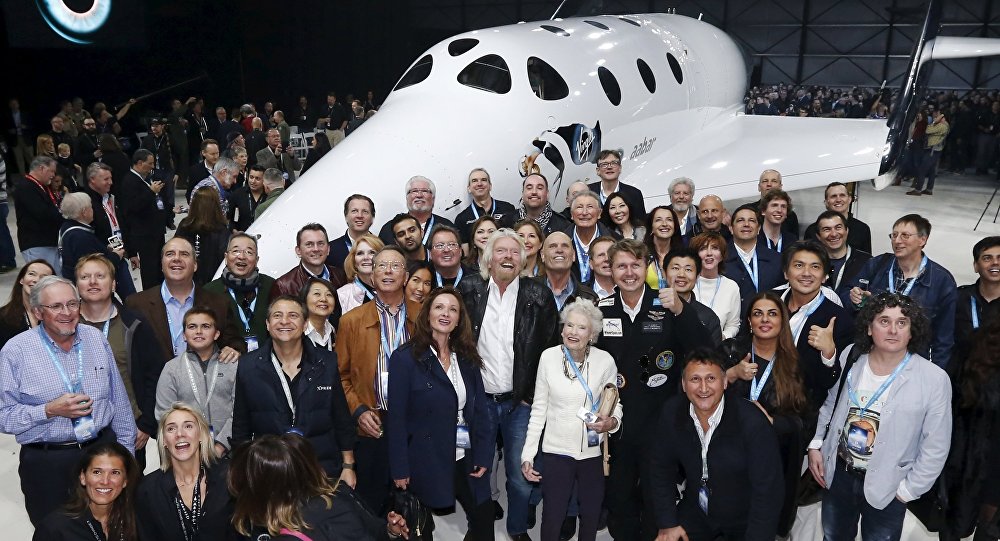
(861, 430)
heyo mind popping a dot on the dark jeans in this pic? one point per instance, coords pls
(7, 253)
(561, 474)
(47, 476)
(512, 419)
(371, 456)
(928, 168)
(845, 501)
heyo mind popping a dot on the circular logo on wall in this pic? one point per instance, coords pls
(70, 23)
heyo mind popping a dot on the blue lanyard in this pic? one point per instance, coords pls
(753, 270)
(757, 386)
(59, 366)
(427, 232)
(718, 284)
(579, 377)
(810, 308)
(440, 279)
(892, 276)
(885, 385)
(367, 291)
(239, 310)
(974, 308)
(777, 246)
(349, 243)
(659, 275)
(582, 258)
(475, 209)
(398, 338)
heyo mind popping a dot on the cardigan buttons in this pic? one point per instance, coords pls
(429, 385)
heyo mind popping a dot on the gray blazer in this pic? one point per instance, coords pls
(912, 445)
(175, 386)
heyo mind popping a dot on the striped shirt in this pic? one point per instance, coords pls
(388, 325)
(28, 380)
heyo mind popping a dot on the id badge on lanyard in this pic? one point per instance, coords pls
(463, 441)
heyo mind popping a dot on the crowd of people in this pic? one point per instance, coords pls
(606, 355)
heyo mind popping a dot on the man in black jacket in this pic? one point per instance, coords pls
(834, 232)
(522, 322)
(837, 199)
(164, 167)
(729, 457)
(609, 168)
(289, 386)
(142, 210)
(647, 335)
(38, 217)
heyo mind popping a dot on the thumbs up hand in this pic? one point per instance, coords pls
(670, 300)
(821, 338)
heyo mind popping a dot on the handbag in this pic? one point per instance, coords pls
(416, 515)
(929, 508)
(609, 399)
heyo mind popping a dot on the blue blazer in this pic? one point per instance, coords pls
(423, 410)
(770, 273)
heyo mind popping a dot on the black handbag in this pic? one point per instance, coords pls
(416, 515)
(930, 507)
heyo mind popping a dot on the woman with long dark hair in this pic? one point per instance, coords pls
(440, 433)
(481, 230)
(320, 146)
(622, 219)
(764, 368)
(101, 507)
(16, 316)
(187, 498)
(320, 299)
(281, 490)
(208, 230)
(663, 233)
(972, 475)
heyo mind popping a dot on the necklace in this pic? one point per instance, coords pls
(567, 360)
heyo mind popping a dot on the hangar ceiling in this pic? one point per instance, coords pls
(822, 42)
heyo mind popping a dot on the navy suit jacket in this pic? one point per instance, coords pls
(770, 274)
(421, 428)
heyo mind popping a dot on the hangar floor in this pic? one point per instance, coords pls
(953, 211)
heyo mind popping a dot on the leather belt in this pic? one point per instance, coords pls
(502, 397)
(856, 472)
(64, 445)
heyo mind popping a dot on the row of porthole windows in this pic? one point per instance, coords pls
(491, 74)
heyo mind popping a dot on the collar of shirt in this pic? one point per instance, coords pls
(383, 308)
(512, 288)
(167, 296)
(713, 421)
(318, 337)
(618, 185)
(600, 291)
(632, 312)
(745, 256)
(52, 343)
(324, 275)
(137, 174)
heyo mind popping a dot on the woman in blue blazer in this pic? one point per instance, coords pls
(440, 438)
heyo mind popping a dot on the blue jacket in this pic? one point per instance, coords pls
(935, 291)
(421, 428)
(770, 274)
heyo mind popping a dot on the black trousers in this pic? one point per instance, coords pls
(148, 249)
(48, 476)
(629, 516)
(561, 475)
(371, 456)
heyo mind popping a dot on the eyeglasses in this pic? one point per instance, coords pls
(236, 252)
(612, 163)
(425, 191)
(442, 246)
(71, 306)
(395, 265)
(902, 236)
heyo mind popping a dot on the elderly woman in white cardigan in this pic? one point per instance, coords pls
(568, 388)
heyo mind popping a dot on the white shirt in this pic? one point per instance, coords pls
(706, 437)
(725, 303)
(455, 377)
(496, 338)
(322, 339)
(601, 292)
(632, 312)
(747, 257)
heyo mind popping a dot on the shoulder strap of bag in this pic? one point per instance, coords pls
(300, 535)
(853, 354)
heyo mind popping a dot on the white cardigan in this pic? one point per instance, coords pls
(725, 304)
(557, 401)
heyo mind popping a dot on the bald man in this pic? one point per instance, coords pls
(770, 179)
(711, 212)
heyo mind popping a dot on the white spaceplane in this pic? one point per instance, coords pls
(667, 90)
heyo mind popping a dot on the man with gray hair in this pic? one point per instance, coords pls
(221, 180)
(574, 189)
(681, 191)
(280, 155)
(514, 319)
(38, 217)
(274, 185)
(60, 393)
(420, 192)
(77, 239)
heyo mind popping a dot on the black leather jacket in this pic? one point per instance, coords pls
(536, 326)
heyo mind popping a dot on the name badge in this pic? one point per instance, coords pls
(84, 428)
(613, 328)
(585, 415)
(652, 327)
(252, 343)
(703, 498)
(656, 380)
(593, 438)
(462, 440)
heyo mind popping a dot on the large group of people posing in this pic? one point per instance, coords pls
(680, 372)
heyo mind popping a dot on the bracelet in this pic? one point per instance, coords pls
(389, 531)
(348, 466)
